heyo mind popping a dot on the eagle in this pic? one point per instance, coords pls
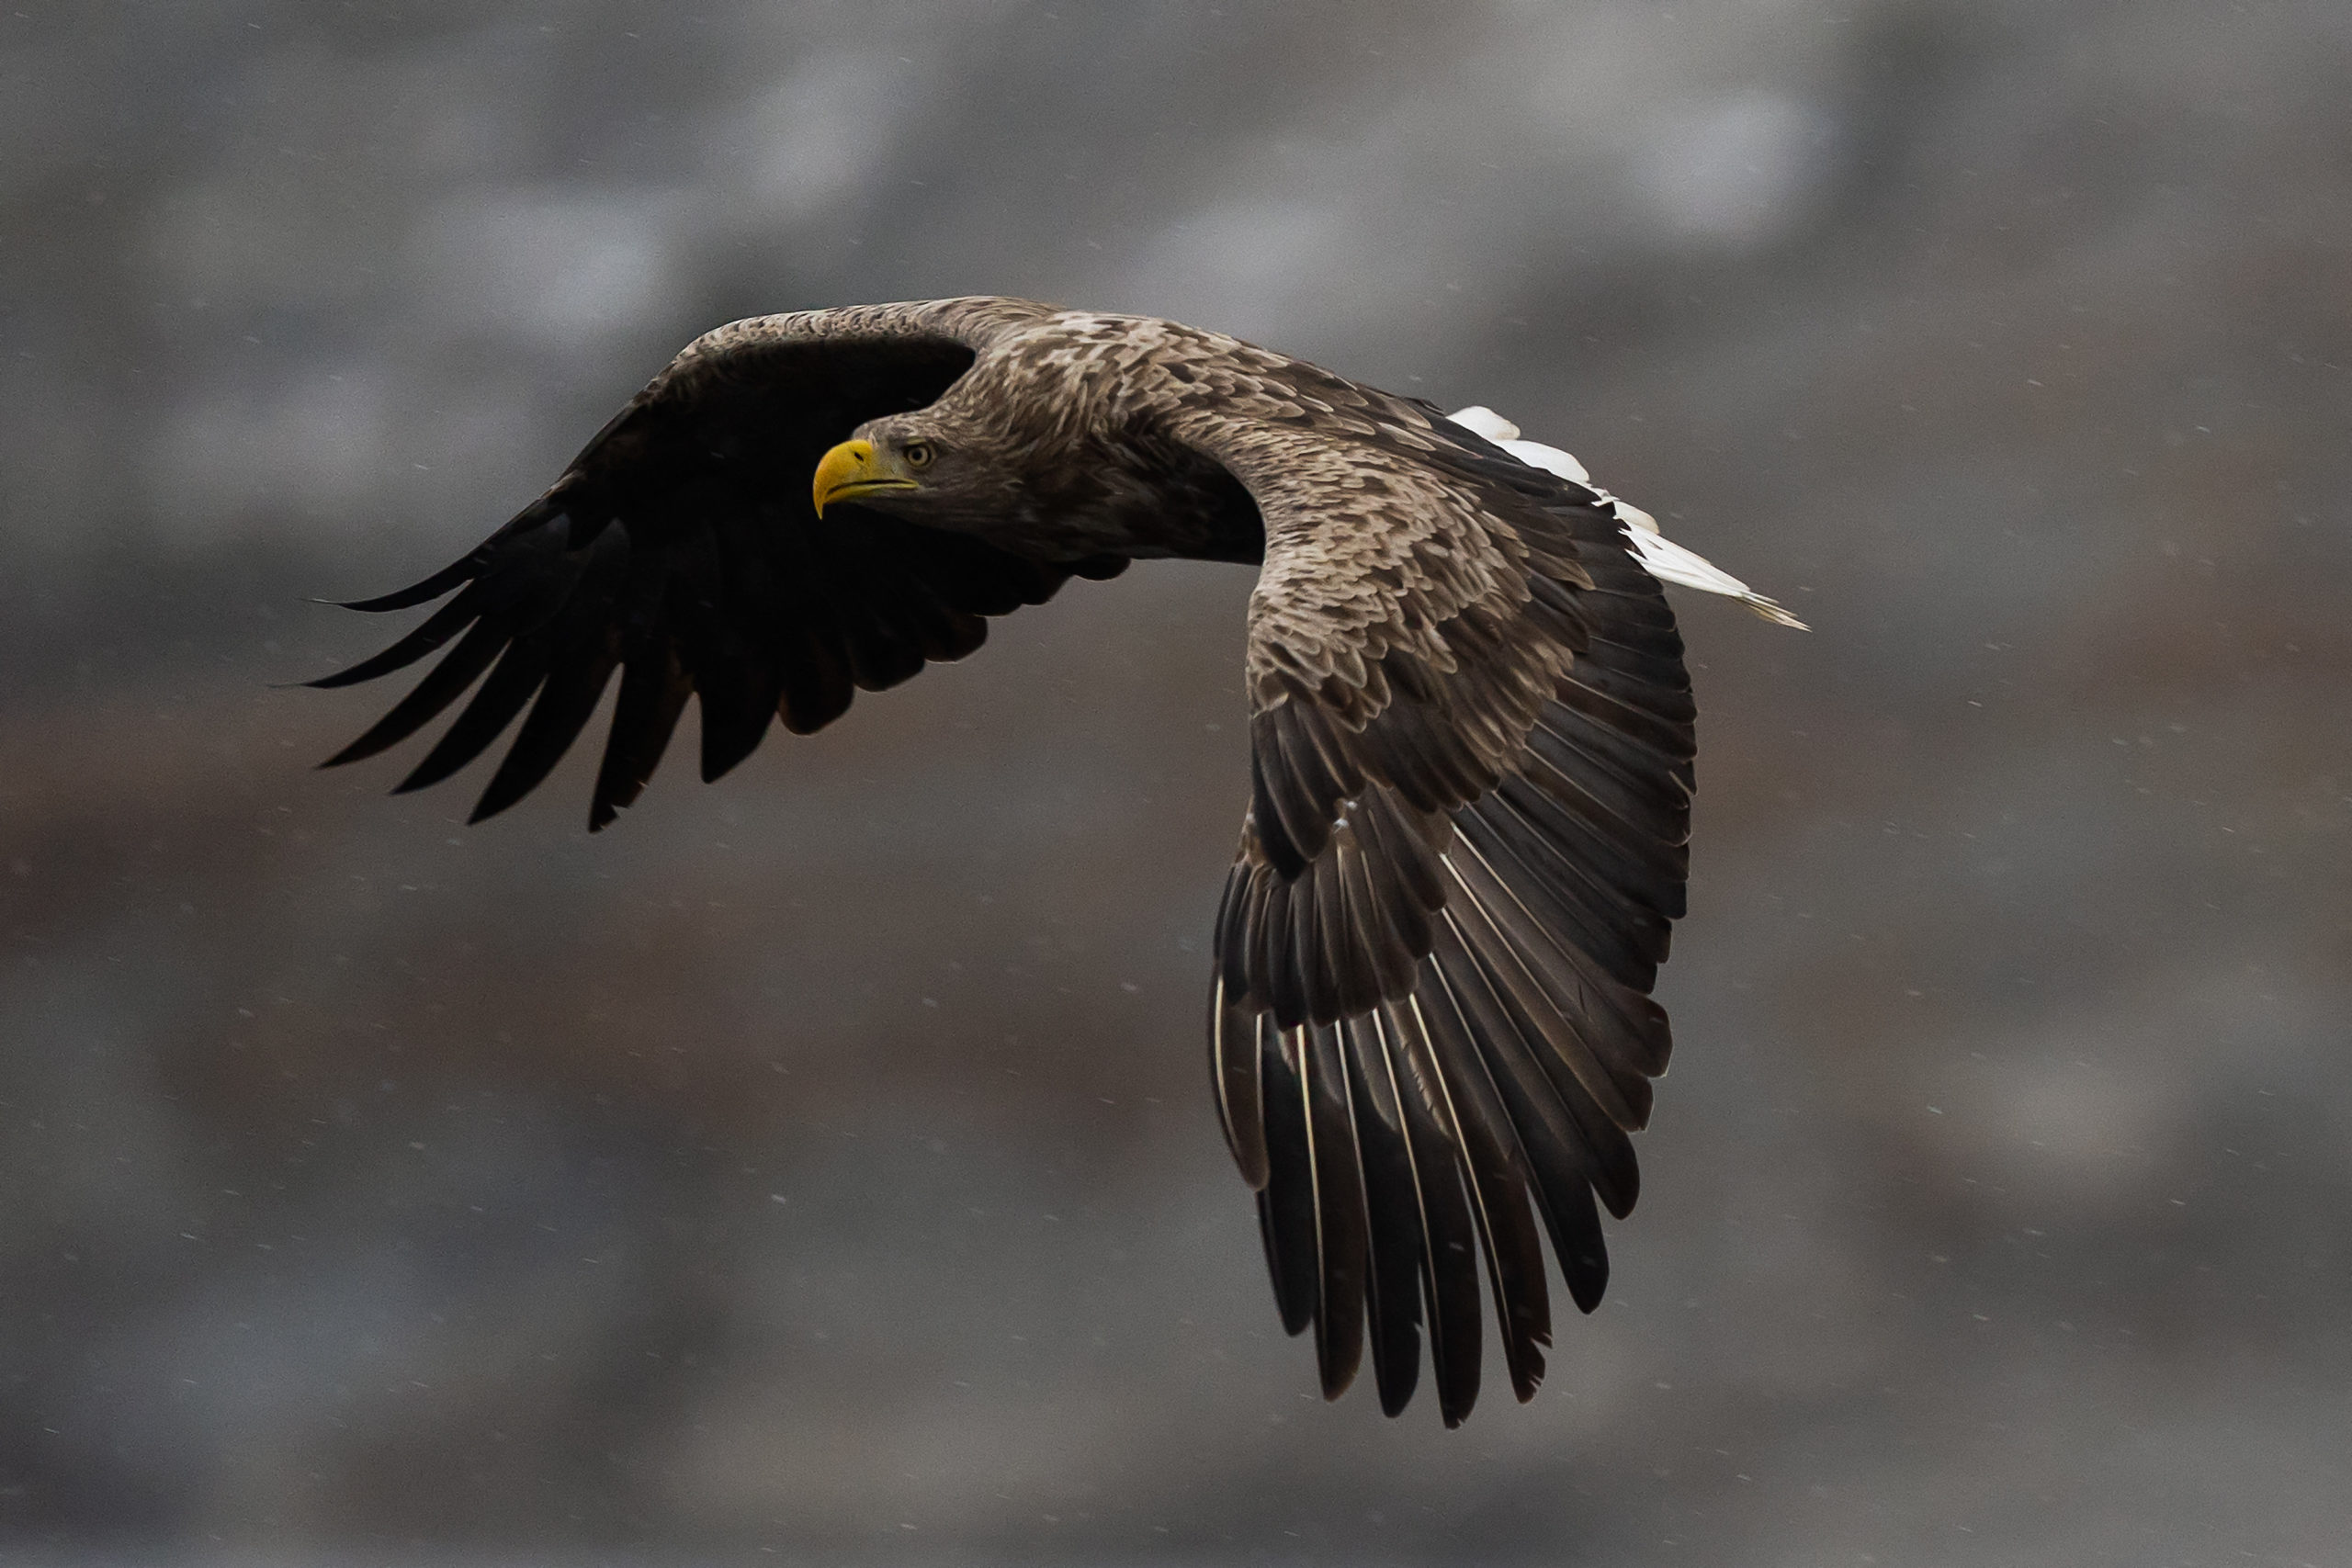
(1430, 1033)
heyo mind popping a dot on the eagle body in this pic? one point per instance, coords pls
(1430, 1033)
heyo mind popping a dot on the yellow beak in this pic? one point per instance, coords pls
(853, 470)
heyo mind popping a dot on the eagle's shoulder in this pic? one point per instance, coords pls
(972, 322)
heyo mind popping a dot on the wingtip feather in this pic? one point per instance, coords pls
(1772, 611)
(433, 587)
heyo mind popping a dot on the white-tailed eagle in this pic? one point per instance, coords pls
(1430, 1030)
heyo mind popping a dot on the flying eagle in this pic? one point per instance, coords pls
(1470, 733)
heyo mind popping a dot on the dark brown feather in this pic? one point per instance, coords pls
(654, 689)
(584, 651)
(1450, 1253)
(1287, 1208)
(1340, 1243)
(1392, 1215)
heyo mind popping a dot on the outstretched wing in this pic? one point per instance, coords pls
(1471, 744)
(682, 550)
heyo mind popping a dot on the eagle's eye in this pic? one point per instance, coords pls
(917, 453)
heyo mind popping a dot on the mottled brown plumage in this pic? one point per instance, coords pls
(1471, 736)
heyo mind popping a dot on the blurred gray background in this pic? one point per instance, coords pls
(820, 1164)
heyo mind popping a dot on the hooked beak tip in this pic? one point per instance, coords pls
(854, 469)
(843, 467)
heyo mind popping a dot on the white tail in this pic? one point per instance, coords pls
(1661, 556)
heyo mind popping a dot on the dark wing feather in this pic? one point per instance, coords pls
(1287, 1209)
(680, 550)
(1392, 1215)
(1471, 746)
(1447, 1235)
